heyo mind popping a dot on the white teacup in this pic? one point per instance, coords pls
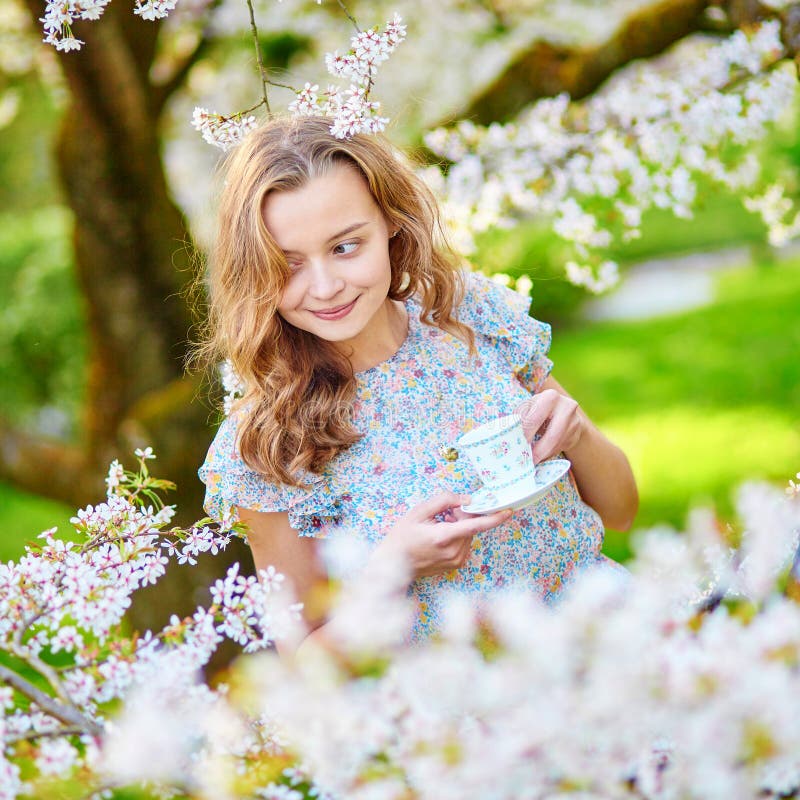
(500, 453)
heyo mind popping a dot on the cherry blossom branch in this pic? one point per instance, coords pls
(45, 670)
(739, 80)
(348, 15)
(64, 712)
(38, 735)
(259, 60)
(351, 110)
(644, 142)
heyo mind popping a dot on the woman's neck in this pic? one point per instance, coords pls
(387, 333)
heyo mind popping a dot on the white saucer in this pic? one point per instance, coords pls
(548, 473)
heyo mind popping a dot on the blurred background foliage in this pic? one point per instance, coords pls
(700, 399)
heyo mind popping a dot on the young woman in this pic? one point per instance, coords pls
(366, 352)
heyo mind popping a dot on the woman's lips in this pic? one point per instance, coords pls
(335, 313)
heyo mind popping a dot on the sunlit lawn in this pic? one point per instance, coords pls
(700, 401)
(23, 516)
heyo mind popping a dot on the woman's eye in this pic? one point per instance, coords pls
(345, 248)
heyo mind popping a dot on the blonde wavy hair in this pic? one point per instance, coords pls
(296, 412)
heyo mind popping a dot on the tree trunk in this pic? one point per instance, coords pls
(133, 257)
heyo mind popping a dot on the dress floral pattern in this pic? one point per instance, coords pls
(410, 409)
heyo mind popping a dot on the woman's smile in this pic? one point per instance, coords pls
(337, 312)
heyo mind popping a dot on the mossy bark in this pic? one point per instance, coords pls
(133, 256)
(545, 70)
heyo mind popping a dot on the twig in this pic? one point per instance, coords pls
(794, 572)
(30, 737)
(710, 603)
(64, 712)
(348, 15)
(261, 70)
(282, 85)
(45, 670)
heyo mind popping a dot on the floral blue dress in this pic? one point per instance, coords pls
(409, 409)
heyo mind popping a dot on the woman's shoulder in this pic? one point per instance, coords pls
(231, 483)
(491, 305)
(501, 318)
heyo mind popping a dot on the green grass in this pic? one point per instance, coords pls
(700, 401)
(43, 342)
(533, 249)
(24, 516)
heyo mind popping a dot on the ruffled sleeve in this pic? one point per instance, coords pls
(231, 483)
(502, 315)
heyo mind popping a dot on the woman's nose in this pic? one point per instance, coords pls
(324, 282)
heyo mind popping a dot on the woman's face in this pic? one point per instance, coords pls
(336, 242)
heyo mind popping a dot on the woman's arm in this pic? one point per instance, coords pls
(273, 542)
(432, 537)
(602, 471)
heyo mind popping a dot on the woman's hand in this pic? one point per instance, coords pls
(436, 535)
(600, 469)
(558, 420)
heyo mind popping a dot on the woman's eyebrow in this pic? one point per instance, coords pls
(349, 229)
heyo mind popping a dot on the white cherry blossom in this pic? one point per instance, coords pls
(640, 142)
(220, 131)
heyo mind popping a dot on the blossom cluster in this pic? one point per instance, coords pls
(778, 212)
(644, 141)
(220, 131)
(368, 49)
(351, 110)
(154, 9)
(612, 693)
(232, 385)
(59, 16)
(615, 692)
(61, 619)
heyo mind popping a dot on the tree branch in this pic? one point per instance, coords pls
(162, 92)
(32, 737)
(545, 69)
(68, 715)
(45, 670)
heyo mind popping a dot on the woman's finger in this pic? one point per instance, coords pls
(476, 523)
(536, 411)
(443, 501)
(557, 435)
